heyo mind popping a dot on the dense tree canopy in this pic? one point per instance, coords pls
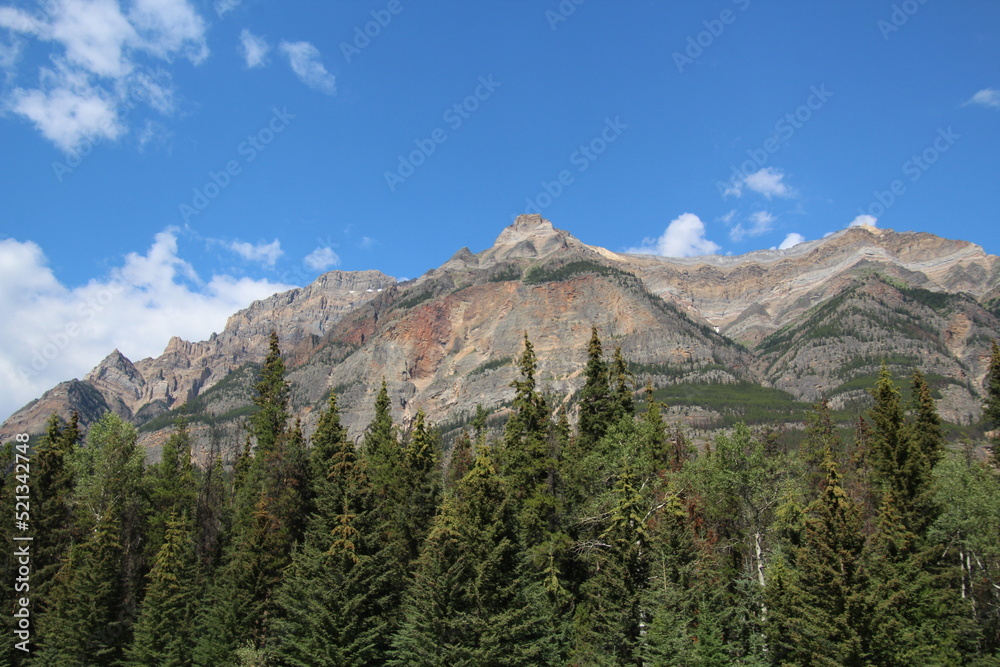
(622, 539)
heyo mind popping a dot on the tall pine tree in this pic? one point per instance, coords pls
(472, 601)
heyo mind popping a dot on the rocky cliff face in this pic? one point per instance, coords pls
(814, 320)
(147, 388)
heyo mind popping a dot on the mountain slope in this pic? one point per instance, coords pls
(814, 321)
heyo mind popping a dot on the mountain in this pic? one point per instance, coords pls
(812, 321)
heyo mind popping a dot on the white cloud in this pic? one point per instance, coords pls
(265, 253)
(684, 237)
(67, 114)
(254, 49)
(768, 182)
(18, 21)
(321, 259)
(987, 97)
(791, 241)
(864, 220)
(304, 59)
(170, 27)
(96, 56)
(51, 332)
(761, 224)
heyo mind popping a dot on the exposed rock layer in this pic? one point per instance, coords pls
(812, 320)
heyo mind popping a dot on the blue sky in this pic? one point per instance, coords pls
(164, 162)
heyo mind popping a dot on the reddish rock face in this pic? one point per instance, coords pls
(445, 342)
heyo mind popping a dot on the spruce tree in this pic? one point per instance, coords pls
(337, 601)
(382, 450)
(683, 597)
(609, 617)
(51, 495)
(991, 406)
(816, 605)
(172, 486)
(621, 386)
(912, 616)
(271, 399)
(272, 490)
(889, 445)
(164, 628)
(86, 622)
(472, 602)
(421, 460)
(597, 406)
(528, 460)
(107, 567)
(821, 441)
(461, 460)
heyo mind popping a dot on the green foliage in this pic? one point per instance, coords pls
(99, 584)
(472, 601)
(415, 299)
(815, 602)
(489, 365)
(87, 622)
(164, 628)
(739, 402)
(548, 273)
(991, 407)
(271, 399)
(172, 488)
(595, 400)
(910, 617)
(626, 544)
(237, 385)
(502, 274)
(968, 493)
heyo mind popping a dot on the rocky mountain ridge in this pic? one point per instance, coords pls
(812, 320)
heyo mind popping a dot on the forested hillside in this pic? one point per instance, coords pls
(523, 541)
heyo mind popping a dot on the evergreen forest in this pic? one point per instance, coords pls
(527, 539)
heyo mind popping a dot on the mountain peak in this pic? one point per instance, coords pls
(525, 227)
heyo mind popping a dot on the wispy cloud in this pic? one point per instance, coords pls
(683, 237)
(321, 259)
(254, 49)
(761, 222)
(987, 97)
(96, 63)
(306, 62)
(768, 182)
(264, 253)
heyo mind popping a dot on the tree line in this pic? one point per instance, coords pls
(614, 542)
